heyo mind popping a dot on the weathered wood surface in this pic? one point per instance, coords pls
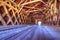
(15, 12)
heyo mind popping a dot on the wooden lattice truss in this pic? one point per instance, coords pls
(15, 12)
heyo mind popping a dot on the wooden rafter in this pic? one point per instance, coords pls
(18, 12)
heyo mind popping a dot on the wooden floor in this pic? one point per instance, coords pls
(29, 32)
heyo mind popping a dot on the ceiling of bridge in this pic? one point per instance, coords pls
(27, 11)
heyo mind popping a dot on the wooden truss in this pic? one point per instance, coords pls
(15, 12)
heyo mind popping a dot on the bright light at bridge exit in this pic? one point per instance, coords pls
(39, 22)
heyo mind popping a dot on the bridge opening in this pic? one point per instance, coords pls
(39, 23)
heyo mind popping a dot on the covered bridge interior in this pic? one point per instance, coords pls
(40, 16)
